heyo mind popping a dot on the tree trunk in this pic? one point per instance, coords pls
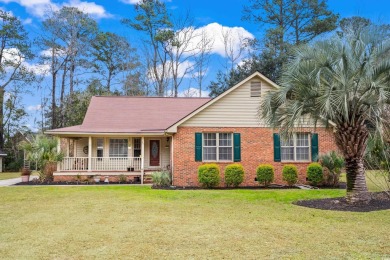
(2, 91)
(53, 101)
(352, 142)
(62, 97)
(357, 191)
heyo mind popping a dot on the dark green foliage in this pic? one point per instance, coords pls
(265, 174)
(43, 151)
(247, 67)
(290, 174)
(314, 173)
(111, 55)
(234, 174)
(153, 19)
(332, 164)
(208, 175)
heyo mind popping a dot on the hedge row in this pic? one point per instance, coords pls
(209, 174)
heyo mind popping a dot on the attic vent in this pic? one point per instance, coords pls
(255, 89)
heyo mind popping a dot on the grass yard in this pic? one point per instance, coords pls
(11, 175)
(138, 222)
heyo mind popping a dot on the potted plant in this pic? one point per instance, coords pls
(26, 174)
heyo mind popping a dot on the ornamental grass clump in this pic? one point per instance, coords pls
(290, 174)
(315, 174)
(265, 174)
(234, 175)
(161, 179)
(208, 175)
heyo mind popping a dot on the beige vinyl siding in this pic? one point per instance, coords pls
(80, 143)
(237, 109)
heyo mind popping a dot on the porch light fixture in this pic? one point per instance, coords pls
(167, 145)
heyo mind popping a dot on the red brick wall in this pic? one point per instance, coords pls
(256, 148)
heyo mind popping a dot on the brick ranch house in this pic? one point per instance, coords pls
(135, 136)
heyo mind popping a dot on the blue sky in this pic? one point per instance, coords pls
(225, 13)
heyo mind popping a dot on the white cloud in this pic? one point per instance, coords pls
(34, 108)
(91, 8)
(183, 70)
(38, 69)
(39, 7)
(13, 55)
(47, 53)
(193, 92)
(236, 37)
(133, 2)
(27, 21)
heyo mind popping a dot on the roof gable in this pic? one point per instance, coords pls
(222, 97)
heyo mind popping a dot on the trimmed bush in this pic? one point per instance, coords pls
(290, 174)
(161, 179)
(208, 175)
(265, 174)
(234, 174)
(314, 173)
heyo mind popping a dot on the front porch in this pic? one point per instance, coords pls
(114, 156)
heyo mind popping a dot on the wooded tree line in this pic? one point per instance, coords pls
(78, 60)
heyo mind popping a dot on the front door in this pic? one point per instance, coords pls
(154, 153)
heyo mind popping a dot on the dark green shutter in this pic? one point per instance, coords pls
(277, 157)
(198, 147)
(237, 147)
(314, 147)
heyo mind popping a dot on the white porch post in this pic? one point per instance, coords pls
(89, 153)
(58, 150)
(142, 159)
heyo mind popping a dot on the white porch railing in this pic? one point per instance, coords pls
(100, 163)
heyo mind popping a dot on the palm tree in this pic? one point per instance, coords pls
(43, 151)
(345, 81)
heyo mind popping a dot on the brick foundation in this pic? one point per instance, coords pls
(73, 178)
(256, 148)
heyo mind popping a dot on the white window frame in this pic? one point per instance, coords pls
(294, 136)
(100, 147)
(109, 148)
(217, 146)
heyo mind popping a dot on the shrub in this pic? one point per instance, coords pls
(122, 178)
(314, 173)
(161, 179)
(332, 163)
(265, 174)
(234, 174)
(290, 174)
(208, 175)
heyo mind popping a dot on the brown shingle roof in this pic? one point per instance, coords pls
(133, 114)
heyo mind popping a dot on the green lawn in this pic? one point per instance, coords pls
(11, 175)
(138, 222)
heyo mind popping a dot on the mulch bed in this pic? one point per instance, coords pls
(379, 201)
